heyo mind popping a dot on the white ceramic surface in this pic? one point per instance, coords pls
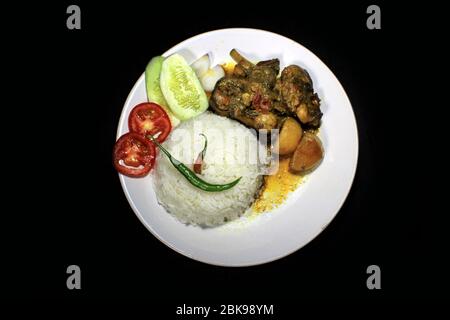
(307, 211)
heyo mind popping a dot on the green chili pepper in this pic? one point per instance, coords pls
(191, 176)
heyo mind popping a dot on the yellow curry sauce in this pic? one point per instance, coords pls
(228, 67)
(277, 187)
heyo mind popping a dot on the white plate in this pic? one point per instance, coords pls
(307, 211)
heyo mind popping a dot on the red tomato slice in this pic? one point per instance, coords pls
(149, 118)
(134, 155)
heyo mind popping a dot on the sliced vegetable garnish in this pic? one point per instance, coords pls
(211, 76)
(191, 176)
(134, 155)
(152, 84)
(198, 164)
(181, 88)
(208, 76)
(149, 118)
(152, 73)
(201, 65)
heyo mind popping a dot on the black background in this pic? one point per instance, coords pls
(75, 211)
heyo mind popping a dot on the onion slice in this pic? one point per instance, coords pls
(210, 78)
(201, 65)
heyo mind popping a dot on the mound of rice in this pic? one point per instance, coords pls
(192, 205)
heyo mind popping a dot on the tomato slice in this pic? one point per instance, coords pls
(134, 155)
(149, 118)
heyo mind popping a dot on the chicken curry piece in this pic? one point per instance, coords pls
(254, 94)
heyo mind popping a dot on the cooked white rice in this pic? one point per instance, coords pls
(192, 205)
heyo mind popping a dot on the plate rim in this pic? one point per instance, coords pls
(274, 258)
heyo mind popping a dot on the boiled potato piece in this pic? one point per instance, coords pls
(289, 137)
(308, 154)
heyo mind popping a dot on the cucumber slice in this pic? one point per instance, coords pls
(154, 94)
(181, 88)
(152, 73)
